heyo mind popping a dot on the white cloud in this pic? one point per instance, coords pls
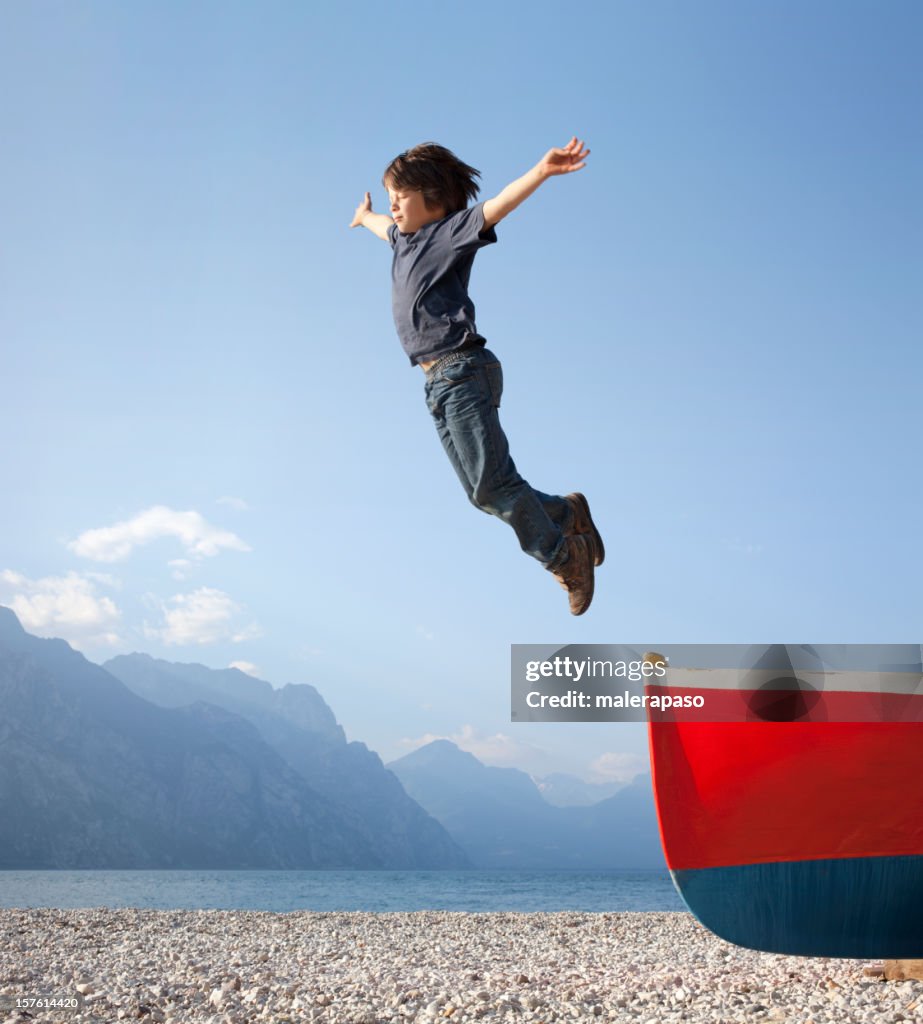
(617, 767)
(250, 632)
(63, 606)
(237, 503)
(104, 578)
(115, 543)
(205, 616)
(246, 667)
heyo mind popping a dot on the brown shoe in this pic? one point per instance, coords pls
(576, 574)
(583, 523)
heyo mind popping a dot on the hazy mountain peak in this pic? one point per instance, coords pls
(13, 637)
(442, 763)
(230, 681)
(443, 752)
(9, 623)
(498, 816)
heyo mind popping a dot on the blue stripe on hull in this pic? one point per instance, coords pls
(863, 907)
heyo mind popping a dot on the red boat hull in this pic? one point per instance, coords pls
(798, 837)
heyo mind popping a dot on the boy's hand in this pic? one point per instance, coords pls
(563, 160)
(378, 223)
(556, 161)
(361, 210)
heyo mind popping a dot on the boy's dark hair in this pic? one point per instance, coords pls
(435, 171)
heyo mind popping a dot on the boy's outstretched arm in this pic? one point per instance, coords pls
(556, 161)
(377, 223)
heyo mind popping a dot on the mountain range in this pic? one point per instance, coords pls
(94, 775)
(500, 819)
(297, 724)
(144, 763)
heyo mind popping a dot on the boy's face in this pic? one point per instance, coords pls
(409, 211)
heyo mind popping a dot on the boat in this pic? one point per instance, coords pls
(790, 802)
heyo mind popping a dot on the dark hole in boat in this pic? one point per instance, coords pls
(784, 699)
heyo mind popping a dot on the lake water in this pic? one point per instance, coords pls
(283, 891)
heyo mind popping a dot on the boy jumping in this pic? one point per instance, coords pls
(435, 235)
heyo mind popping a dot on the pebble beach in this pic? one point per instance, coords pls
(229, 967)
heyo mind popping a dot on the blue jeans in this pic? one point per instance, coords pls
(463, 396)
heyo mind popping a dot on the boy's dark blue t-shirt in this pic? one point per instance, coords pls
(433, 312)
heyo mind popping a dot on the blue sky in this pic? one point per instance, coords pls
(215, 450)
